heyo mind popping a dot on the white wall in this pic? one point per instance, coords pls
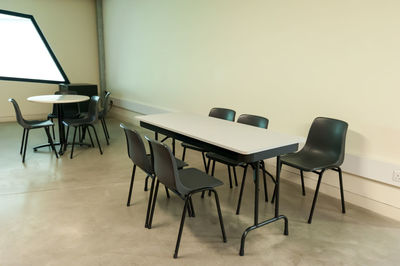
(70, 29)
(287, 60)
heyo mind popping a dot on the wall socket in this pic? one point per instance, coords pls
(396, 176)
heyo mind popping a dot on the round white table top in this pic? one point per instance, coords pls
(66, 98)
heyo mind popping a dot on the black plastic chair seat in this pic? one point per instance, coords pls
(194, 179)
(66, 115)
(192, 147)
(310, 161)
(38, 123)
(78, 121)
(222, 159)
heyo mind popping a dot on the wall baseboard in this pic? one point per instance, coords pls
(27, 117)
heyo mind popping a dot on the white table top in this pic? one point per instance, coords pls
(66, 98)
(236, 137)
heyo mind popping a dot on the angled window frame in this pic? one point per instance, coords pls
(49, 50)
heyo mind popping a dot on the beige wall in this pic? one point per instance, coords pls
(70, 29)
(288, 60)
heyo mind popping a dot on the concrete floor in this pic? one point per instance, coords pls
(73, 212)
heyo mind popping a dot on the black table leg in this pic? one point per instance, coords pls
(277, 217)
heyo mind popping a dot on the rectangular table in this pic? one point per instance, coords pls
(237, 141)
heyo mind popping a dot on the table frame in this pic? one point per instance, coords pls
(252, 159)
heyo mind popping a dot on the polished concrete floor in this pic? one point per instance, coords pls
(73, 212)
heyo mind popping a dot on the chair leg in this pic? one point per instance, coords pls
(52, 129)
(153, 203)
(341, 190)
(274, 194)
(230, 177)
(208, 165)
(204, 160)
(178, 241)
(26, 143)
(213, 168)
(221, 222)
(50, 141)
(80, 136)
(241, 190)
(315, 197)
(234, 175)
(105, 132)
(22, 142)
(212, 173)
(302, 182)
(193, 214)
(183, 154)
(97, 139)
(105, 126)
(64, 148)
(166, 192)
(265, 181)
(73, 142)
(146, 182)
(86, 129)
(131, 186)
(146, 225)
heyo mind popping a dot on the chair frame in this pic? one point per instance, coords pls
(188, 206)
(321, 171)
(22, 122)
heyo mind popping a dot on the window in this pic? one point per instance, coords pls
(25, 54)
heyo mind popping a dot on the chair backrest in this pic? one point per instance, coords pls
(164, 165)
(253, 120)
(18, 113)
(328, 136)
(136, 149)
(69, 109)
(93, 110)
(106, 103)
(222, 113)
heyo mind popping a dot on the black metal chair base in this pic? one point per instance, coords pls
(251, 228)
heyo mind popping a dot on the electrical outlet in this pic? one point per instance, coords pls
(396, 175)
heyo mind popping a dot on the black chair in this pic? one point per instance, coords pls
(184, 183)
(103, 114)
(221, 113)
(85, 123)
(31, 124)
(324, 149)
(252, 120)
(137, 153)
(70, 110)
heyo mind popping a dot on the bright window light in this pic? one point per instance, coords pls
(24, 52)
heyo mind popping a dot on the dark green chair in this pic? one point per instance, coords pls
(221, 113)
(31, 124)
(251, 120)
(184, 183)
(324, 149)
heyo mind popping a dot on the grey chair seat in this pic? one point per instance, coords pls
(192, 147)
(38, 123)
(78, 121)
(222, 159)
(310, 160)
(194, 179)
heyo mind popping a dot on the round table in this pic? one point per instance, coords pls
(58, 100)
